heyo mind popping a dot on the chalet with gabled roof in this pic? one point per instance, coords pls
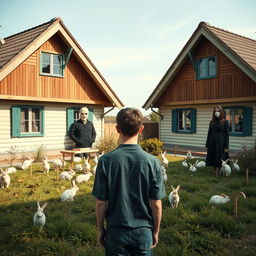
(45, 78)
(215, 67)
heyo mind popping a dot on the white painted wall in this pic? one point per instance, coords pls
(198, 139)
(55, 137)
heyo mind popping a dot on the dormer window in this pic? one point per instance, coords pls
(51, 64)
(206, 68)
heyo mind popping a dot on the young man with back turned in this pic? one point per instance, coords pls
(128, 188)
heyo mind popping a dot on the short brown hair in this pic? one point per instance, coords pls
(129, 121)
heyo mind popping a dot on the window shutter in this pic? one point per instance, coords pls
(15, 121)
(90, 117)
(70, 117)
(193, 120)
(174, 120)
(42, 120)
(247, 121)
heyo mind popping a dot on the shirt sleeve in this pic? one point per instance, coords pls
(100, 186)
(158, 189)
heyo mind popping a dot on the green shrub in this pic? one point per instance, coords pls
(247, 158)
(152, 146)
(107, 143)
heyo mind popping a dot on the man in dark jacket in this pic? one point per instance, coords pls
(82, 132)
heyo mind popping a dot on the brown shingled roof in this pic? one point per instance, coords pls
(244, 47)
(15, 43)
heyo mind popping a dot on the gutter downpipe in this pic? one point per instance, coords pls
(162, 117)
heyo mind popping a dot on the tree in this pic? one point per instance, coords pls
(154, 117)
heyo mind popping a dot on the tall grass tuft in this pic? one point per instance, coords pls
(107, 143)
(39, 153)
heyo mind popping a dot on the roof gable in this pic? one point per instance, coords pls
(17, 48)
(240, 50)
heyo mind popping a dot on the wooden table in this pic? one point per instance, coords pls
(75, 151)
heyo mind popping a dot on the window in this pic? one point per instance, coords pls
(184, 120)
(206, 68)
(240, 120)
(51, 64)
(73, 115)
(27, 121)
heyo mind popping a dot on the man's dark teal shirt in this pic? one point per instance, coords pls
(127, 178)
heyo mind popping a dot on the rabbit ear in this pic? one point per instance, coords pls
(38, 205)
(178, 187)
(1, 171)
(73, 182)
(44, 205)
(172, 187)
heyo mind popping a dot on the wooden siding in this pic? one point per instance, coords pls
(55, 122)
(230, 82)
(76, 84)
(202, 124)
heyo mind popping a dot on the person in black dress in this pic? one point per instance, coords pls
(217, 142)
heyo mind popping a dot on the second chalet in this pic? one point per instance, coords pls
(215, 67)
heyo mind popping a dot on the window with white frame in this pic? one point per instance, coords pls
(27, 121)
(30, 120)
(235, 119)
(51, 64)
(184, 122)
(240, 120)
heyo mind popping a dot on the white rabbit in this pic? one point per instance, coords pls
(39, 217)
(11, 170)
(78, 167)
(94, 169)
(83, 177)
(189, 155)
(87, 166)
(67, 175)
(69, 194)
(219, 199)
(174, 197)
(164, 160)
(184, 163)
(59, 163)
(46, 165)
(26, 164)
(199, 164)
(192, 167)
(77, 159)
(5, 178)
(225, 169)
(96, 159)
(236, 167)
(163, 171)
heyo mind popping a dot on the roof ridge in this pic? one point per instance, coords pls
(51, 21)
(203, 23)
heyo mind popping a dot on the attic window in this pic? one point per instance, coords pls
(206, 67)
(51, 64)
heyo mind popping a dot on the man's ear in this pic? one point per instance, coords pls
(141, 129)
(118, 129)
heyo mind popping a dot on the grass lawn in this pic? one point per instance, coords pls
(194, 228)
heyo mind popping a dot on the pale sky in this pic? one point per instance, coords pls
(131, 42)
